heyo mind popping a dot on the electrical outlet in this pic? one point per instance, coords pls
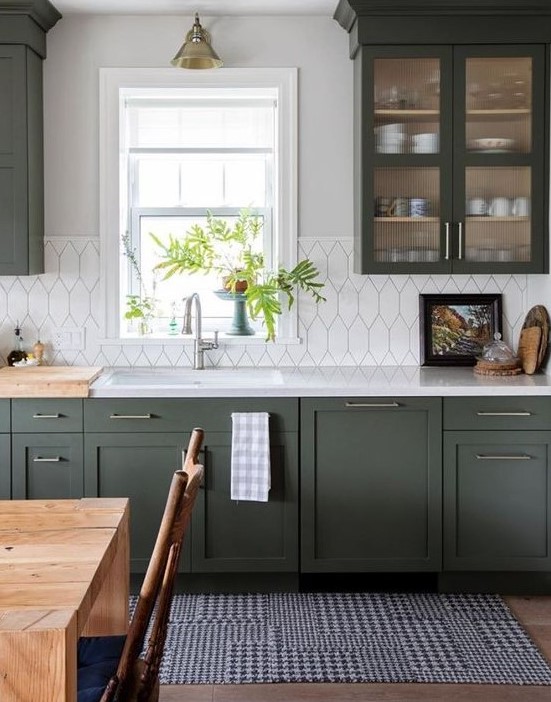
(68, 339)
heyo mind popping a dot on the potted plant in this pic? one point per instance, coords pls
(234, 253)
(139, 308)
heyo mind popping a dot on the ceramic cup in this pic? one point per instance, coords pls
(391, 144)
(399, 207)
(521, 207)
(477, 207)
(382, 206)
(419, 207)
(499, 207)
(425, 143)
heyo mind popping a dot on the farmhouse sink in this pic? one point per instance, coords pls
(171, 378)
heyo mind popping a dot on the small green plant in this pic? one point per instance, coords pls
(140, 308)
(233, 252)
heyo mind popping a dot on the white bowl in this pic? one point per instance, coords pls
(492, 143)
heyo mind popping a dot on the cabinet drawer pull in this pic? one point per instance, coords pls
(44, 459)
(372, 404)
(38, 415)
(489, 457)
(130, 416)
(460, 241)
(504, 414)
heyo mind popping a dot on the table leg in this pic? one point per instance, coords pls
(109, 613)
(38, 656)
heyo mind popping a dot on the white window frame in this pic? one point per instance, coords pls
(113, 185)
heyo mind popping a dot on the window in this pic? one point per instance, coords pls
(182, 145)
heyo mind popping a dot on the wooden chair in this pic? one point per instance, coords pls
(114, 661)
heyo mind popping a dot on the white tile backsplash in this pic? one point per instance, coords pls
(367, 320)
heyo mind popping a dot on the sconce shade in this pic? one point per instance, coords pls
(196, 51)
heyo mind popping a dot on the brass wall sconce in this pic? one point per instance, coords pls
(196, 51)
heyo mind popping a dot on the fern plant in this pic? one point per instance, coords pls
(233, 252)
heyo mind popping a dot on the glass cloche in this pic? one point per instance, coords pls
(497, 351)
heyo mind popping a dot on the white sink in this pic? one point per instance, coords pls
(148, 378)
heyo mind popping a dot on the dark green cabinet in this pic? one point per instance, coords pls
(23, 28)
(371, 484)
(450, 137)
(241, 536)
(47, 448)
(5, 450)
(497, 487)
(138, 465)
(47, 466)
(132, 447)
(21, 161)
(497, 500)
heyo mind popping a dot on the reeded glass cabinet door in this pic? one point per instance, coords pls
(407, 134)
(451, 169)
(499, 158)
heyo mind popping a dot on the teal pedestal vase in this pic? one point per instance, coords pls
(240, 322)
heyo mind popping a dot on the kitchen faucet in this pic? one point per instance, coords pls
(199, 345)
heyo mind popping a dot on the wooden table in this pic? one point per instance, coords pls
(64, 572)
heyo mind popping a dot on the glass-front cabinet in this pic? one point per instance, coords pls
(452, 159)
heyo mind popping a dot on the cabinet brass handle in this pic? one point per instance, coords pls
(44, 459)
(489, 457)
(38, 415)
(460, 240)
(504, 414)
(372, 404)
(447, 228)
(131, 416)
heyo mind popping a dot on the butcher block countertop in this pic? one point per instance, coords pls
(47, 381)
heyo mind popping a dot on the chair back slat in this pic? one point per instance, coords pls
(135, 681)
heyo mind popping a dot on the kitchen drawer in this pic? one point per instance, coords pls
(489, 413)
(46, 415)
(182, 415)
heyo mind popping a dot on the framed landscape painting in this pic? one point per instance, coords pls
(454, 328)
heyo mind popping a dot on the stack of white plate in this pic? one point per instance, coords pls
(390, 139)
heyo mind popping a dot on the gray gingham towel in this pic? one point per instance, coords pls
(250, 456)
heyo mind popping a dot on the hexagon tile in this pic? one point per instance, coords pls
(366, 320)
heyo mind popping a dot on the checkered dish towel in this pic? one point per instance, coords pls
(250, 456)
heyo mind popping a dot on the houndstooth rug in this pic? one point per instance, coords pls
(348, 637)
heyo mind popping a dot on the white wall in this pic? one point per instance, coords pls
(78, 46)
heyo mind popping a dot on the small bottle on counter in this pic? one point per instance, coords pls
(38, 352)
(18, 354)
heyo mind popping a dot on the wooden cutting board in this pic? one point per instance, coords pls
(47, 381)
(538, 317)
(528, 349)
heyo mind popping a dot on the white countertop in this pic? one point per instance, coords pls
(368, 381)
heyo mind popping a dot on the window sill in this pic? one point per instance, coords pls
(223, 340)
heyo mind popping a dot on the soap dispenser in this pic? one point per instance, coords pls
(17, 354)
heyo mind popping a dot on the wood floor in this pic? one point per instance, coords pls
(534, 613)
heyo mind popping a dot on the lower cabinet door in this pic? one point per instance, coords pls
(47, 466)
(139, 466)
(497, 501)
(230, 536)
(371, 477)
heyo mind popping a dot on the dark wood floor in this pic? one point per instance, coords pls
(533, 612)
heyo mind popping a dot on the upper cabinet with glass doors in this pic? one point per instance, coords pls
(450, 144)
(455, 136)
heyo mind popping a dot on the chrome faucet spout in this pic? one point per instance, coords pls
(200, 345)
